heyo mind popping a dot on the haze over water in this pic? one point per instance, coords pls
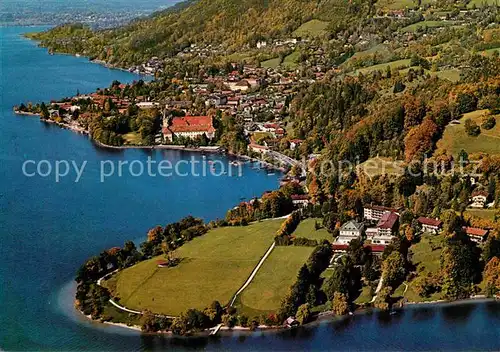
(48, 229)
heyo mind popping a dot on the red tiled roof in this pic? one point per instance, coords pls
(381, 208)
(474, 231)
(429, 221)
(190, 124)
(376, 248)
(340, 247)
(299, 196)
(388, 221)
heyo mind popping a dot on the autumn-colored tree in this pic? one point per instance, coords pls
(154, 235)
(303, 313)
(340, 305)
(420, 139)
(383, 300)
(410, 233)
(491, 276)
(414, 111)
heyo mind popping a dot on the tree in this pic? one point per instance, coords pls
(303, 313)
(229, 320)
(340, 304)
(491, 276)
(459, 268)
(393, 268)
(148, 322)
(488, 122)
(471, 128)
(383, 300)
(44, 111)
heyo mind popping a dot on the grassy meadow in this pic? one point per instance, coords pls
(455, 138)
(213, 267)
(273, 280)
(306, 229)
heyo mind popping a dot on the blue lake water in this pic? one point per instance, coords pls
(48, 229)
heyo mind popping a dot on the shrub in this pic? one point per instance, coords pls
(489, 122)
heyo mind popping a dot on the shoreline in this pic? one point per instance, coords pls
(320, 318)
(201, 149)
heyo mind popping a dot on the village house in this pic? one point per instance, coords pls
(479, 199)
(383, 233)
(430, 225)
(300, 200)
(294, 143)
(350, 231)
(375, 212)
(376, 249)
(188, 126)
(257, 148)
(476, 234)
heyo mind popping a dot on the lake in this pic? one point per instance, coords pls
(48, 228)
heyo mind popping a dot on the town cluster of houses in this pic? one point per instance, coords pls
(380, 224)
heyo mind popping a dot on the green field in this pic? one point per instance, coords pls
(452, 75)
(381, 166)
(382, 51)
(490, 52)
(313, 28)
(455, 138)
(395, 4)
(290, 61)
(487, 214)
(273, 280)
(383, 67)
(428, 24)
(479, 3)
(213, 267)
(271, 63)
(365, 296)
(306, 229)
(427, 260)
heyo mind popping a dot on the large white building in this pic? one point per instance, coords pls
(383, 233)
(350, 231)
(375, 212)
(188, 126)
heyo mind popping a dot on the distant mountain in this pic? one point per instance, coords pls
(233, 24)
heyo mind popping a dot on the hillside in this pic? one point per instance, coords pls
(230, 24)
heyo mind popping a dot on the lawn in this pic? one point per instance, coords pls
(290, 61)
(455, 138)
(381, 166)
(426, 256)
(273, 280)
(479, 3)
(452, 75)
(313, 28)
(271, 63)
(365, 296)
(395, 4)
(490, 52)
(213, 267)
(429, 24)
(394, 65)
(487, 214)
(306, 229)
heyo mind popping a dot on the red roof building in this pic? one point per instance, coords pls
(476, 234)
(190, 127)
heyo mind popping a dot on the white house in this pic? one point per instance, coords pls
(300, 200)
(476, 234)
(350, 231)
(383, 233)
(375, 212)
(479, 199)
(430, 225)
